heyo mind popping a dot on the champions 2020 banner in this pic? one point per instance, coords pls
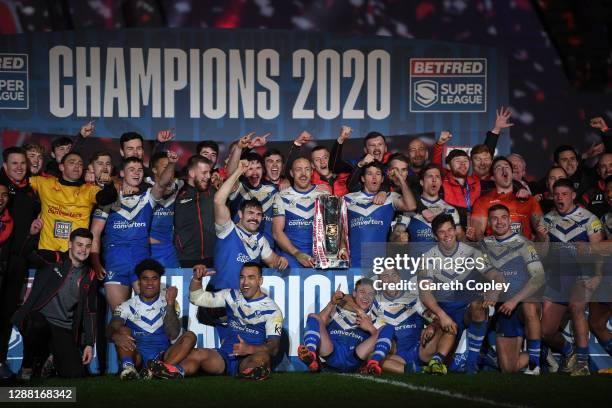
(297, 292)
(220, 84)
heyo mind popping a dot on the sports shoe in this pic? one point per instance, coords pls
(550, 362)
(164, 370)
(490, 359)
(258, 373)
(48, 368)
(5, 371)
(532, 371)
(25, 374)
(146, 374)
(129, 373)
(471, 369)
(568, 362)
(309, 358)
(435, 367)
(605, 371)
(372, 367)
(580, 369)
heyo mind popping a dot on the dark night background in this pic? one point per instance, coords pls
(559, 52)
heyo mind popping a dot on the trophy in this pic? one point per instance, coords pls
(330, 232)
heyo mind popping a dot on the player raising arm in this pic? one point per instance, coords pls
(239, 243)
(144, 327)
(255, 325)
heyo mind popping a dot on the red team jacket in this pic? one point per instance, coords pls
(520, 211)
(454, 193)
(339, 188)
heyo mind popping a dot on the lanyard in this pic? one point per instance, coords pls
(467, 197)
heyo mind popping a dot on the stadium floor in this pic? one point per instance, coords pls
(317, 390)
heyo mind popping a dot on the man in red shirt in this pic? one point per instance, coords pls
(525, 216)
(328, 168)
(460, 189)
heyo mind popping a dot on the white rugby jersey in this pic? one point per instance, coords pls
(254, 320)
(575, 226)
(298, 210)
(418, 227)
(143, 317)
(448, 268)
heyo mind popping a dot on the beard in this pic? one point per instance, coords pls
(459, 173)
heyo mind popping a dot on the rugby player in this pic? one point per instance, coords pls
(147, 326)
(161, 237)
(368, 222)
(252, 339)
(252, 185)
(35, 154)
(461, 309)
(349, 333)
(125, 225)
(239, 243)
(210, 150)
(526, 215)
(67, 201)
(417, 226)
(600, 310)
(415, 344)
(567, 225)
(274, 164)
(100, 165)
(293, 215)
(516, 258)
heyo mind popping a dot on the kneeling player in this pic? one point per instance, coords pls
(347, 332)
(144, 326)
(516, 258)
(251, 340)
(456, 309)
(415, 344)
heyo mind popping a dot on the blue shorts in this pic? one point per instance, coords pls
(149, 346)
(510, 326)
(458, 316)
(165, 254)
(148, 353)
(232, 364)
(410, 354)
(120, 262)
(343, 358)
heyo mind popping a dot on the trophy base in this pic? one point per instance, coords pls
(333, 264)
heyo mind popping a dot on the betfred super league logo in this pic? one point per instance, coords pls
(425, 93)
(448, 84)
(14, 81)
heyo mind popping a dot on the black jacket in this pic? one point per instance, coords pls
(49, 280)
(24, 206)
(194, 226)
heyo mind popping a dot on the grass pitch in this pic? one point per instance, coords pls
(327, 389)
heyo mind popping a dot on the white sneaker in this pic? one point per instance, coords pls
(129, 373)
(532, 371)
(551, 362)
